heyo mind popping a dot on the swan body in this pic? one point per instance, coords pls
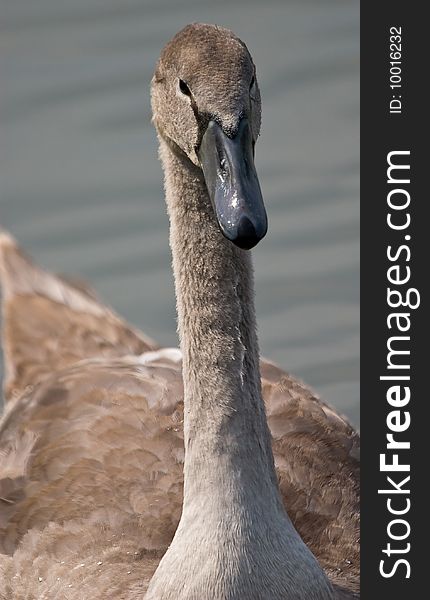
(129, 471)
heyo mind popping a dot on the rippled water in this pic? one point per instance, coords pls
(81, 186)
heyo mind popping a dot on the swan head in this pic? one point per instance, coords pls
(206, 104)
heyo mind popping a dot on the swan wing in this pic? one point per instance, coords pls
(316, 454)
(50, 322)
(91, 474)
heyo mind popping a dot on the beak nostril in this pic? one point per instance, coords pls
(222, 161)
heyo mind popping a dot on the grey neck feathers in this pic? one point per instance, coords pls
(234, 539)
(224, 417)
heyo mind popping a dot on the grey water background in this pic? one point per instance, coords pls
(81, 185)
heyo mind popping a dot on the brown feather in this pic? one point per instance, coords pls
(91, 453)
(50, 323)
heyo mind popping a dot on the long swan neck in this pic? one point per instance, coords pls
(224, 411)
(234, 539)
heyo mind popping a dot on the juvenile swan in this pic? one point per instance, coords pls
(100, 434)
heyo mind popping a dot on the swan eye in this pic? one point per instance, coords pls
(184, 88)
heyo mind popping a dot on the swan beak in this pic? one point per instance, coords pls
(233, 186)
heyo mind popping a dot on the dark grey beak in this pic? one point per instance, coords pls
(232, 182)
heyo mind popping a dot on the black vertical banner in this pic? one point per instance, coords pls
(395, 324)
